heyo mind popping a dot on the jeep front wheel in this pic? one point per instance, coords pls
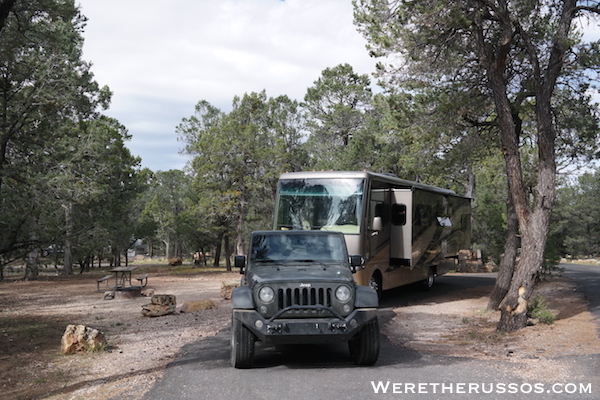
(242, 345)
(364, 346)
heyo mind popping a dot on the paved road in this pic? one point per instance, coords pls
(326, 372)
(587, 277)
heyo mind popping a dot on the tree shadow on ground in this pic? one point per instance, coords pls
(446, 288)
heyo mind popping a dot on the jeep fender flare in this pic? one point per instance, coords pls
(241, 298)
(366, 297)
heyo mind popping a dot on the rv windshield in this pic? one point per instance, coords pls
(322, 204)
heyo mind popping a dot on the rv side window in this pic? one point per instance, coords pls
(399, 214)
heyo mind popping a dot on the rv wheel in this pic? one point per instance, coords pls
(375, 284)
(428, 283)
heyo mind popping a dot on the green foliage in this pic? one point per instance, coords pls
(66, 176)
(238, 157)
(165, 210)
(489, 208)
(576, 218)
(337, 107)
(538, 309)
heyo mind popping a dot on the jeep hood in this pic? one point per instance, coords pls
(299, 273)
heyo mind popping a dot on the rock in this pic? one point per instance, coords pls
(198, 305)
(163, 299)
(128, 293)
(160, 304)
(472, 266)
(490, 266)
(175, 261)
(155, 310)
(109, 295)
(148, 292)
(81, 338)
(226, 289)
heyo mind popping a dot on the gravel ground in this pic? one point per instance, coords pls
(139, 348)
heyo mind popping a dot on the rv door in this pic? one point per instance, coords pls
(401, 228)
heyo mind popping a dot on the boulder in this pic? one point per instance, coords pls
(226, 288)
(472, 266)
(160, 304)
(81, 338)
(163, 299)
(175, 261)
(128, 293)
(198, 305)
(490, 266)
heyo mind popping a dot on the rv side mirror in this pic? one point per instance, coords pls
(377, 224)
(240, 262)
(356, 261)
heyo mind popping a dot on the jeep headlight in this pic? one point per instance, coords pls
(266, 294)
(342, 293)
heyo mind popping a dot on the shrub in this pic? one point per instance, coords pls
(539, 310)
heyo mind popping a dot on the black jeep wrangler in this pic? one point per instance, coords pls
(298, 288)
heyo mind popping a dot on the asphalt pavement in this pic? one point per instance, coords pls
(587, 278)
(326, 372)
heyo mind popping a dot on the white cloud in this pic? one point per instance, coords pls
(161, 57)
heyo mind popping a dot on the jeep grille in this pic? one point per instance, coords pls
(304, 297)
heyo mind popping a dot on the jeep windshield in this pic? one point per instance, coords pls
(298, 248)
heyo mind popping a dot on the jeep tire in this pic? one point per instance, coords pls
(242, 345)
(364, 346)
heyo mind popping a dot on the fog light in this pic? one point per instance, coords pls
(353, 323)
(259, 324)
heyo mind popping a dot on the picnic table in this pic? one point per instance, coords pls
(122, 280)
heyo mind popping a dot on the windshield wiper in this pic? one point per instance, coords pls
(321, 263)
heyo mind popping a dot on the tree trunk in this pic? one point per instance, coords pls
(32, 265)
(203, 255)
(534, 228)
(167, 249)
(534, 221)
(227, 253)
(513, 308)
(68, 250)
(239, 242)
(217, 251)
(507, 263)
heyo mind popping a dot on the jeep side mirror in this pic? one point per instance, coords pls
(356, 261)
(240, 262)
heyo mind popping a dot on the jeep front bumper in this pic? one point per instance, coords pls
(304, 330)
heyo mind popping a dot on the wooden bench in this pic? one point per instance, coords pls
(105, 280)
(143, 279)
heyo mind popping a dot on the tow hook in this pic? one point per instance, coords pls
(274, 328)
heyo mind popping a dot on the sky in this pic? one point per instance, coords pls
(161, 57)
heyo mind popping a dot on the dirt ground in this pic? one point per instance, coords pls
(34, 315)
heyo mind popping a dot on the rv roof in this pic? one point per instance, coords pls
(403, 183)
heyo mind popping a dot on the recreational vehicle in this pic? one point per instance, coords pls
(405, 231)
